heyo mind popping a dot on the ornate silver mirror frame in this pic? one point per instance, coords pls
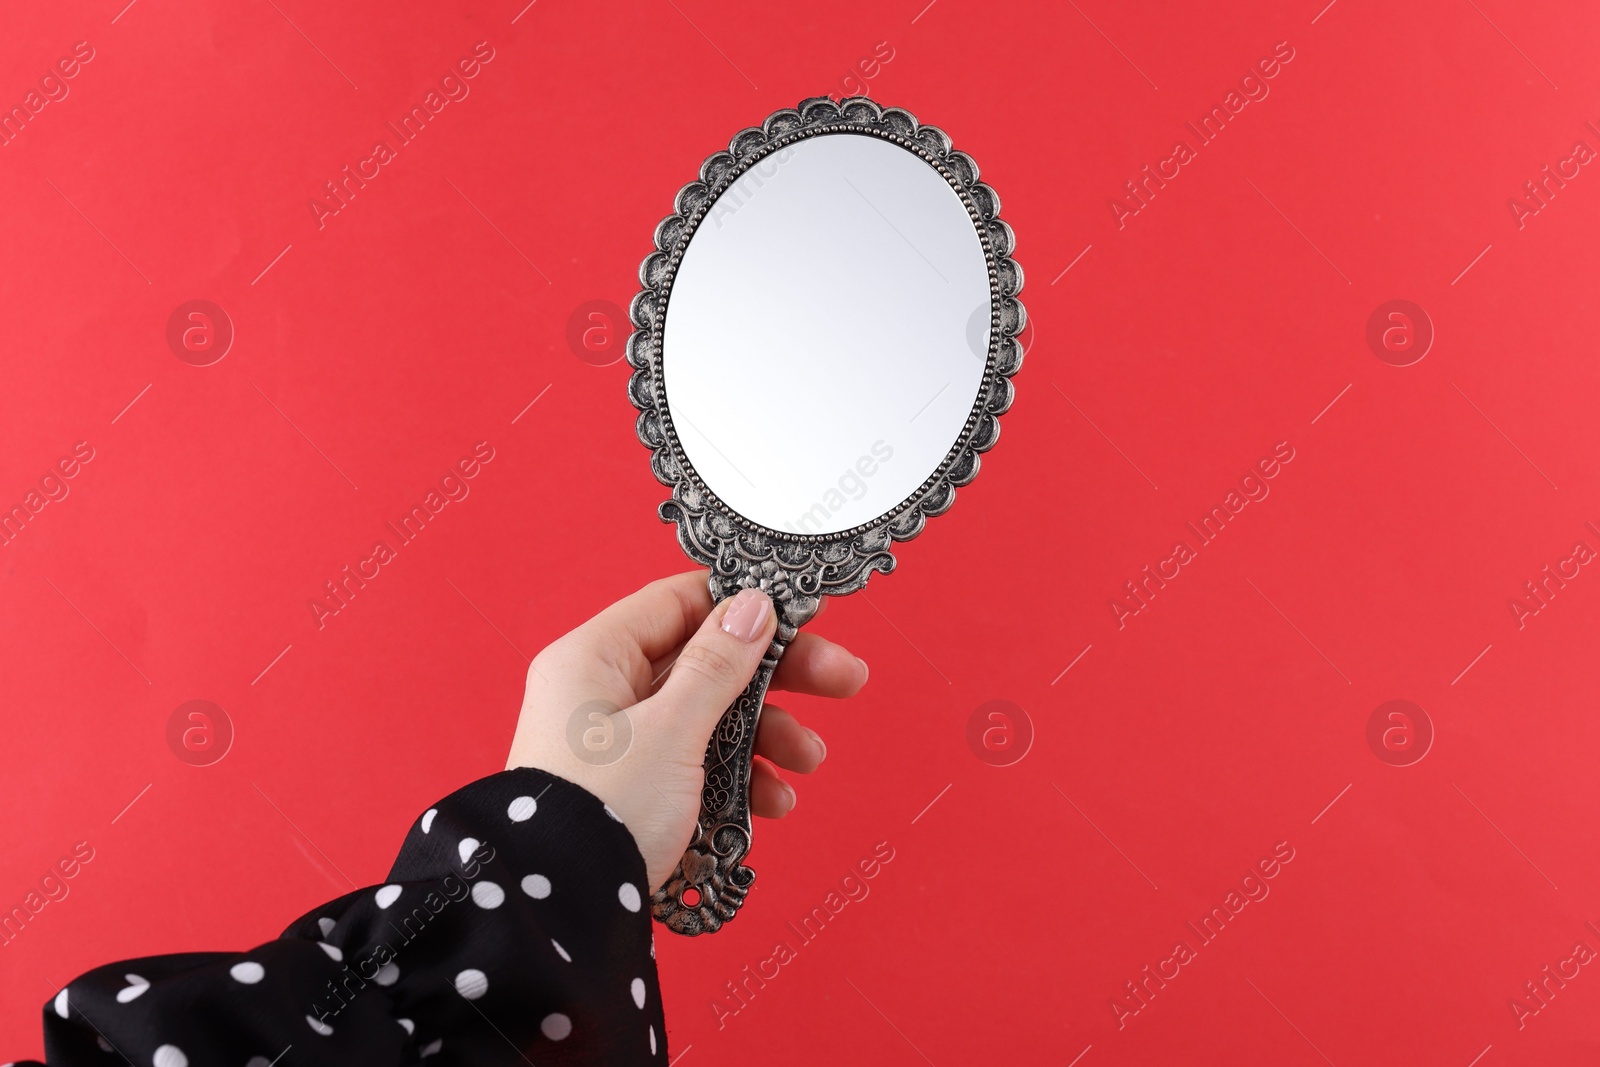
(796, 570)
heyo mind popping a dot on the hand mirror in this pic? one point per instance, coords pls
(822, 347)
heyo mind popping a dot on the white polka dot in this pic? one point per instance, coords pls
(133, 990)
(170, 1056)
(652, 946)
(613, 814)
(326, 925)
(388, 895)
(556, 1027)
(488, 895)
(472, 983)
(258, 1061)
(427, 819)
(105, 1046)
(332, 950)
(468, 846)
(61, 1003)
(536, 886)
(652, 1041)
(522, 809)
(388, 974)
(560, 951)
(628, 893)
(249, 972)
(432, 1048)
(318, 1025)
(637, 988)
(410, 1026)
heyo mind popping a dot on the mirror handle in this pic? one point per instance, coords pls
(713, 866)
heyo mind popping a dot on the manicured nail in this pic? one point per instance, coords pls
(822, 749)
(748, 614)
(865, 671)
(789, 789)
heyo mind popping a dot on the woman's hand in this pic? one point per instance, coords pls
(672, 663)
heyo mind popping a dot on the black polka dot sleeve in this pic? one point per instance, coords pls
(513, 929)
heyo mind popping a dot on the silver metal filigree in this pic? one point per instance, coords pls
(797, 570)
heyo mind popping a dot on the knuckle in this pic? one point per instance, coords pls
(709, 663)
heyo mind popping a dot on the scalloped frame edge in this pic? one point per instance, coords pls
(741, 552)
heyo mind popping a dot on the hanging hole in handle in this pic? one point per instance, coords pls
(690, 897)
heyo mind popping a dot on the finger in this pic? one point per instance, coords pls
(717, 662)
(770, 796)
(781, 739)
(646, 626)
(662, 615)
(818, 667)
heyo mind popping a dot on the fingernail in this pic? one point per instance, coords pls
(865, 671)
(747, 615)
(822, 749)
(789, 789)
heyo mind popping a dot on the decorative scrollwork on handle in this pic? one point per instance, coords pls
(712, 869)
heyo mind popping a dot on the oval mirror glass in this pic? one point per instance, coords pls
(825, 336)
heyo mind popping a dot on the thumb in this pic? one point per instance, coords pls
(718, 662)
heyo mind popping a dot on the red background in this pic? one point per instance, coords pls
(1220, 320)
